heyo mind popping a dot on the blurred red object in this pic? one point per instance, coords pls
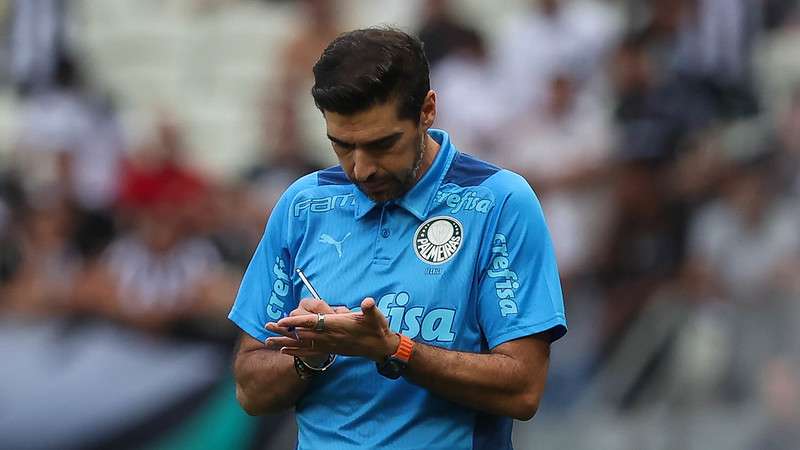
(166, 185)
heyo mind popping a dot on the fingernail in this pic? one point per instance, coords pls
(283, 350)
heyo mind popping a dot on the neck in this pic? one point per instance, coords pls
(429, 155)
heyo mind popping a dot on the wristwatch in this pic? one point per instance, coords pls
(394, 366)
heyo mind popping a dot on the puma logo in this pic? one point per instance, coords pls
(327, 239)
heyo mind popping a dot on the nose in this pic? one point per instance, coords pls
(363, 166)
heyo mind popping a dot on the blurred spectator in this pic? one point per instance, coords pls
(655, 112)
(47, 262)
(236, 218)
(158, 171)
(777, 12)
(317, 29)
(644, 248)
(669, 77)
(288, 105)
(283, 159)
(38, 42)
(658, 31)
(553, 36)
(71, 139)
(564, 150)
(644, 132)
(714, 49)
(715, 38)
(465, 81)
(745, 246)
(160, 271)
(440, 32)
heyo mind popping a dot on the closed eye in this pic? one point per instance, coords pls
(383, 144)
(340, 146)
(380, 144)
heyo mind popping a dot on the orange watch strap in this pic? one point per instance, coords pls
(405, 348)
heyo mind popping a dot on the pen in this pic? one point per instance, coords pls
(310, 289)
(307, 284)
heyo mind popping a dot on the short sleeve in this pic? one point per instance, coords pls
(266, 293)
(520, 291)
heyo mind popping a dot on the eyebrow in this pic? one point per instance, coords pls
(373, 143)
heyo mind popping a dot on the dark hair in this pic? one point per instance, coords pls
(363, 68)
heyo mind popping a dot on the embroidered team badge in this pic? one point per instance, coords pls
(438, 239)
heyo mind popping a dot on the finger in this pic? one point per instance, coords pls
(313, 305)
(341, 309)
(306, 334)
(303, 321)
(277, 342)
(283, 331)
(302, 352)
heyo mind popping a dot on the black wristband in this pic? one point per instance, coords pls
(306, 372)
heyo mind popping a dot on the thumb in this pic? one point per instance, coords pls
(370, 309)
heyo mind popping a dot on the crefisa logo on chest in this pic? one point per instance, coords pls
(438, 239)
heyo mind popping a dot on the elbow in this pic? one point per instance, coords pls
(527, 405)
(259, 405)
(526, 414)
(249, 406)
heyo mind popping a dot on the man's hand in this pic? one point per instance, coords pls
(305, 307)
(508, 380)
(365, 333)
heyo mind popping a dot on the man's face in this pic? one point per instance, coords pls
(380, 153)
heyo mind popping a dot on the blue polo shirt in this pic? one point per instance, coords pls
(462, 261)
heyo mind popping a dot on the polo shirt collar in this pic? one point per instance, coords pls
(418, 200)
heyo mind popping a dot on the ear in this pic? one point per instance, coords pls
(428, 113)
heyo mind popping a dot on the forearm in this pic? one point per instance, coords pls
(266, 381)
(508, 381)
(487, 382)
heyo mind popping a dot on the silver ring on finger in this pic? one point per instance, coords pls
(320, 325)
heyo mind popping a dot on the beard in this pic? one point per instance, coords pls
(400, 183)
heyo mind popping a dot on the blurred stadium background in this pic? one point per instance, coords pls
(143, 142)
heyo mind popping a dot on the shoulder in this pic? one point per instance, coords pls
(469, 171)
(508, 184)
(330, 181)
(301, 185)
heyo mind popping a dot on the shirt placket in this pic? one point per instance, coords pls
(384, 233)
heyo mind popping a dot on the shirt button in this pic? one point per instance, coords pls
(385, 232)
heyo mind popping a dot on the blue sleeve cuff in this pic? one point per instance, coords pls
(556, 326)
(256, 330)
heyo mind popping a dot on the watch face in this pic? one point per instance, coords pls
(392, 368)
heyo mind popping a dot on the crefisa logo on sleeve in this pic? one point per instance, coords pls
(438, 239)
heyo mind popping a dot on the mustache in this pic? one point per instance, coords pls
(385, 179)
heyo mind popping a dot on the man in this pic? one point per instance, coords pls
(440, 265)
